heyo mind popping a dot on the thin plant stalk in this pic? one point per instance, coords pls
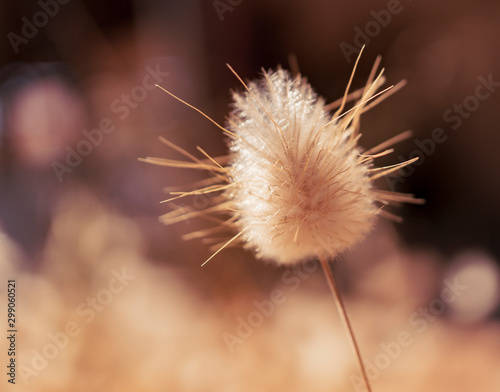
(345, 319)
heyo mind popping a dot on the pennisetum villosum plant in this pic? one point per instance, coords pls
(296, 184)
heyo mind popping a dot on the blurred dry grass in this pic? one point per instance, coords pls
(157, 334)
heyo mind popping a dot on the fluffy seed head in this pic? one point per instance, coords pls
(295, 183)
(300, 187)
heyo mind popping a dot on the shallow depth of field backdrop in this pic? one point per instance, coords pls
(109, 299)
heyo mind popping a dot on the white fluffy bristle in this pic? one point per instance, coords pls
(299, 187)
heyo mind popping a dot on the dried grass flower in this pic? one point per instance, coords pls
(296, 184)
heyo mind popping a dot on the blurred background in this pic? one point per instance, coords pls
(111, 299)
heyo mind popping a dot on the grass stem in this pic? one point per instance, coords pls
(345, 319)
